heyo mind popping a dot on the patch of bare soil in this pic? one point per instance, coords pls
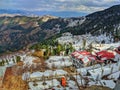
(94, 87)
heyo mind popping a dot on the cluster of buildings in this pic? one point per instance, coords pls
(85, 58)
(77, 40)
(81, 59)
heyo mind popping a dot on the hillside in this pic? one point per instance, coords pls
(16, 31)
(19, 31)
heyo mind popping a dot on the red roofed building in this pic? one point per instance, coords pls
(82, 58)
(105, 56)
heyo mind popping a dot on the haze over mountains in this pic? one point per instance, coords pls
(41, 13)
(17, 32)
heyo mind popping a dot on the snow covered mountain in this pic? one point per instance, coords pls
(19, 31)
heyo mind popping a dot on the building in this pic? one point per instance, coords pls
(117, 56)
(83, 58)
(105, 56)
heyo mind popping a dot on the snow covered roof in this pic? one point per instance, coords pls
(98, 73)
(84, 56)
(40, 86)
(48, 72)
(114, 76)
(59, 72)
(106, 83)
(36, 74)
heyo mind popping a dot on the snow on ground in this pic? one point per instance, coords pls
(46, 73)
(79, 80)
(98, 73)
(105, 46)
(58, 61)
(72, 85)
(23, 57)
(10, 60)
(53, 84)
(41, 86)
(107, 83)
(84, 70)
(114, 76)
(28, 60)
(59, 72)
(117, 57)
(2, 70)
(26, 76)
(104, 70)
(96, 41)
(36, 74)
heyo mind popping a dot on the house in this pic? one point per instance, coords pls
(105, 56)
(82, 59)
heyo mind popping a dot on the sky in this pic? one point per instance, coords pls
(78, 6)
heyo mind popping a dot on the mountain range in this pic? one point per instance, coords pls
(42, 13)
(18, 31)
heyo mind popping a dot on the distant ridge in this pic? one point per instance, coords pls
(9, 15)
(16, 32)
(42, 13)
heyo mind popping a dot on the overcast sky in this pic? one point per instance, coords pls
(83, 6)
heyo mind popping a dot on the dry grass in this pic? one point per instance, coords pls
(97, 88)
(20, 63)
(69, 69)
(37, 61)
(15, 83)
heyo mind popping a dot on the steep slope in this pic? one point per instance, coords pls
(17, 32)
(99, 22)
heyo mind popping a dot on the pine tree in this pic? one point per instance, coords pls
(3, 62)
(18, 58)
(0, 63)
(13, 60)
(7, 61)
(84, 43)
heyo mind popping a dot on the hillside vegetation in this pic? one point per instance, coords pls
(18, 32)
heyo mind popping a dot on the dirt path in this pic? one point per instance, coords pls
(8, 73)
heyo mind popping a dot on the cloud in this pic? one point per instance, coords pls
(100, 3)
(58, 5)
